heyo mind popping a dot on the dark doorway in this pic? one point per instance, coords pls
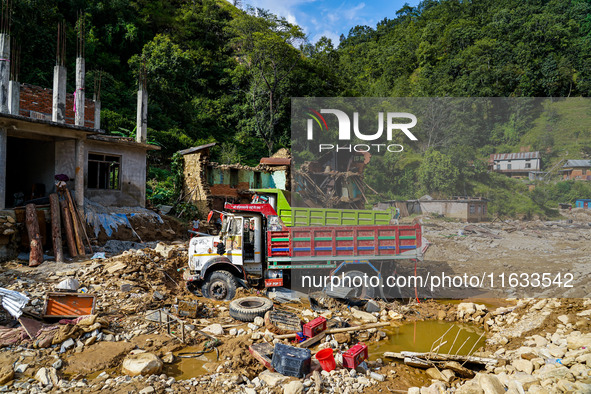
(30, 167)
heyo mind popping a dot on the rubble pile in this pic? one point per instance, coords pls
(128, 345)
(544, 346)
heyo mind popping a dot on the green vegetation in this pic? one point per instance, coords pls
(217, 73)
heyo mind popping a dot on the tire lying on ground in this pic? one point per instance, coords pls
(247, 308)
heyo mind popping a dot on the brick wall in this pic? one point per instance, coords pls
(578, 173)
(36, 102)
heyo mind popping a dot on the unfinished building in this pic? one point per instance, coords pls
(47, 135)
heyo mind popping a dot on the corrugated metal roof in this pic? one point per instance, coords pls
(577, 163)
(196, 149)
(276, 161)
(515, 156)
(13, 302)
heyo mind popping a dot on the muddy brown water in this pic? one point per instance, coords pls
(190, 367)
(423, 336)
(417, 337)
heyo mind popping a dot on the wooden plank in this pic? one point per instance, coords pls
(311, 341)
(442, 357)
(81, 223)
(75, 224)
(344, 329)
(56, 228)
(36, 254)
(67, 221)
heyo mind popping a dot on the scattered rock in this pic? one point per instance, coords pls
(141, 364)
(293, 387)
(363, 316)
(42, 376)
(372, 306)
(215, 329)
(7, 373)
(490, 384)
(168, 358)
(523, 365)
(272, 379)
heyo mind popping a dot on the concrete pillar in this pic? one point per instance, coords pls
(3, 168)
(4, 71)
(58, 112)
(14, 97)
(79, 176)
(80, 95)
(142, 116)
(97, 114)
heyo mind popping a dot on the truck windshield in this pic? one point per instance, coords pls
(235, 226)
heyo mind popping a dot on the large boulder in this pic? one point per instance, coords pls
(142, 364)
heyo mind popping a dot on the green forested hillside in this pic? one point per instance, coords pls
(218, 73)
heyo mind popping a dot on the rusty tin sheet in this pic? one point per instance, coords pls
(68, 305)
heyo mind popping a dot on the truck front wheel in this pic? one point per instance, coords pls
(219, 285)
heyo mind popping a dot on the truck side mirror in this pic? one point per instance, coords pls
(209, 216)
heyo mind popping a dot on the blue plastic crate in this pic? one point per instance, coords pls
(291, 361)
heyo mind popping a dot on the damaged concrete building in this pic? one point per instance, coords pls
(209, 185)
(46, 133)
(334, 180)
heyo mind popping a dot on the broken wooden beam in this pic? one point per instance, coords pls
(75, 224)
(439, 357)
(67, 220)
(311, 341)
(56, 228)
(344, 329)
(36, 254)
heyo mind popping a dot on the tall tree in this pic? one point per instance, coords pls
(266, 47)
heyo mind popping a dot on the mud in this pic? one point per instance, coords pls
(96, 357)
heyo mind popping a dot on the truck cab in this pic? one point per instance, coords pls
(217, 264)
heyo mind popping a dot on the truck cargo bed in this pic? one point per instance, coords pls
(344, 243)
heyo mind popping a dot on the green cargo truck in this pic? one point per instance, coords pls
(281, 201)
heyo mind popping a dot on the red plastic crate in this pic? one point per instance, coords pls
(314, 327)
(355, 355)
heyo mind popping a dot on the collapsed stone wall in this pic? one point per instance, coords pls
(8, 238)
(195, 187)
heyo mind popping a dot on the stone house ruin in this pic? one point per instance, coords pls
(209, 185)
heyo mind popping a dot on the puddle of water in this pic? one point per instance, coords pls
(187, 368)
(419, 337)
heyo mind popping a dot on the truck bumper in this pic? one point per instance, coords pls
(188, 277)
